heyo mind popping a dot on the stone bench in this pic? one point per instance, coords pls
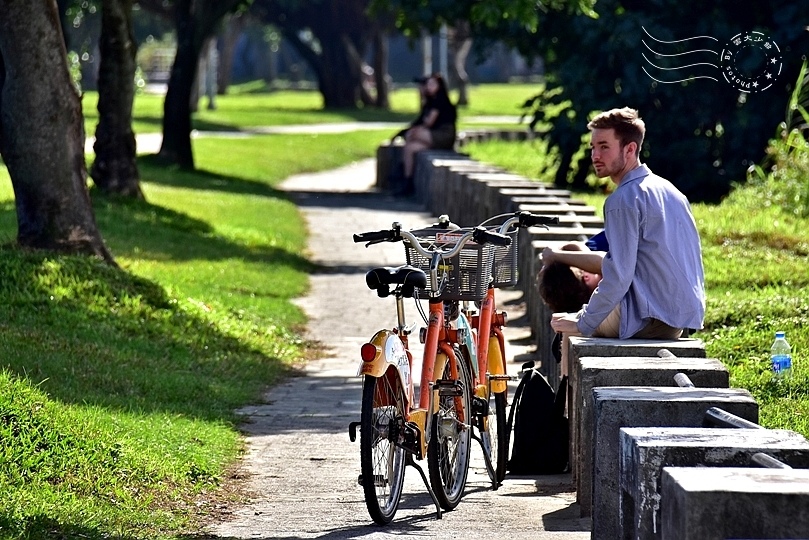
(593, 372)
(727, 502)
(574, 348)
(388, 158)
(646, 451)
(646, 406)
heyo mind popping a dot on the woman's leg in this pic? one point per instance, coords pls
(418, 139)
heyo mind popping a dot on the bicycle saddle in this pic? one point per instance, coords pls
(406, 275)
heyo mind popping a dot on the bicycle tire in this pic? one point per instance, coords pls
(382, 462)
(500, 429)
(451, 441)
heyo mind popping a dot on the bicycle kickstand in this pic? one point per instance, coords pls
(409, 461)
(488, 460)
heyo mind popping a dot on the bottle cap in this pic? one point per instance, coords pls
(779, 335)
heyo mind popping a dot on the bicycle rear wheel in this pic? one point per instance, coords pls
(450, 443)
(382, 462)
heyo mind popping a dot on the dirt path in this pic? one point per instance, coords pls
(301, 467)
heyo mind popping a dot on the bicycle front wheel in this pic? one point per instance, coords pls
(382, 462)
(450, 443)
(498, 434)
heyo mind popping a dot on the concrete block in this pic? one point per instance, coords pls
(727, 502)
(388, 157)
(646, 451)
(587, 346)
(538, 205)
(593, 372)
(646, 406)
(580, 347)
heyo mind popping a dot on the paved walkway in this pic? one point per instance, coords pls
(300, 466)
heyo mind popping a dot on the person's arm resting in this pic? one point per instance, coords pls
(589, 261)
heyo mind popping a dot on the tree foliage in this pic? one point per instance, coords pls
(494, 19)
(702, 134)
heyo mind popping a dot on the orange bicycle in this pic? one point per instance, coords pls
(446, 266)
(490, 375)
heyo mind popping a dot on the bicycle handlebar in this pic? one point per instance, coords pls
(479, 234)
(527, 219)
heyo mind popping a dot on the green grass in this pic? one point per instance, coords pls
(244, 107)
(756, 259)
(118, 386)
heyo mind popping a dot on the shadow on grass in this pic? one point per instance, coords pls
(90, 334)
(156, 170)
(44, 527)
(138, 229)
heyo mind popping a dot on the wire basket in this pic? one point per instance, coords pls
(467, 274)
(504, 267)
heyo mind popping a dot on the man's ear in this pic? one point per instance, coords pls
(633, 148)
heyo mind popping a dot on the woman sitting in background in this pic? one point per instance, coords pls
(434, 128)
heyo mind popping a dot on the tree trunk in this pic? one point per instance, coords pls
(461, 45)
(176, 146)
(115, 169)
(42, 126)
(335, 24)
(381, 77)
(230, 37)
(195, 21)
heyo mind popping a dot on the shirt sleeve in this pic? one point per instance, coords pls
(617, 269)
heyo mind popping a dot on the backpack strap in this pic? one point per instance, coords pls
(527, 368)
(559, 402)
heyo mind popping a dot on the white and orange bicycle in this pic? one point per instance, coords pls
(460, 388)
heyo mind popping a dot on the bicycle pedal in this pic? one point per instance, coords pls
(480, 406)
(502, 378)
(449, 388)
(352, 431)
(410, 438)
(379, 480)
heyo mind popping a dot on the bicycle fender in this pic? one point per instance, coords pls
(497, 364)
(390, 353)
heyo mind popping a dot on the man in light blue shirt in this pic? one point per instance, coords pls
(653, 284)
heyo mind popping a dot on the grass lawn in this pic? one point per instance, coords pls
(244, 108)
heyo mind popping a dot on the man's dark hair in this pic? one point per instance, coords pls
(627, 124)
(561, 289)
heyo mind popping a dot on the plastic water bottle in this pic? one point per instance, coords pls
(781, 357)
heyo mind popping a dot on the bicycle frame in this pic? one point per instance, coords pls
(488, 324)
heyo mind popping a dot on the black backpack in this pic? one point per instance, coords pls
(541, 437)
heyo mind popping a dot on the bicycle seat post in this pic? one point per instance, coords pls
(400, 314)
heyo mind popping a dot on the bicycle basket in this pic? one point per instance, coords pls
(504, 269)
(468, 273)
